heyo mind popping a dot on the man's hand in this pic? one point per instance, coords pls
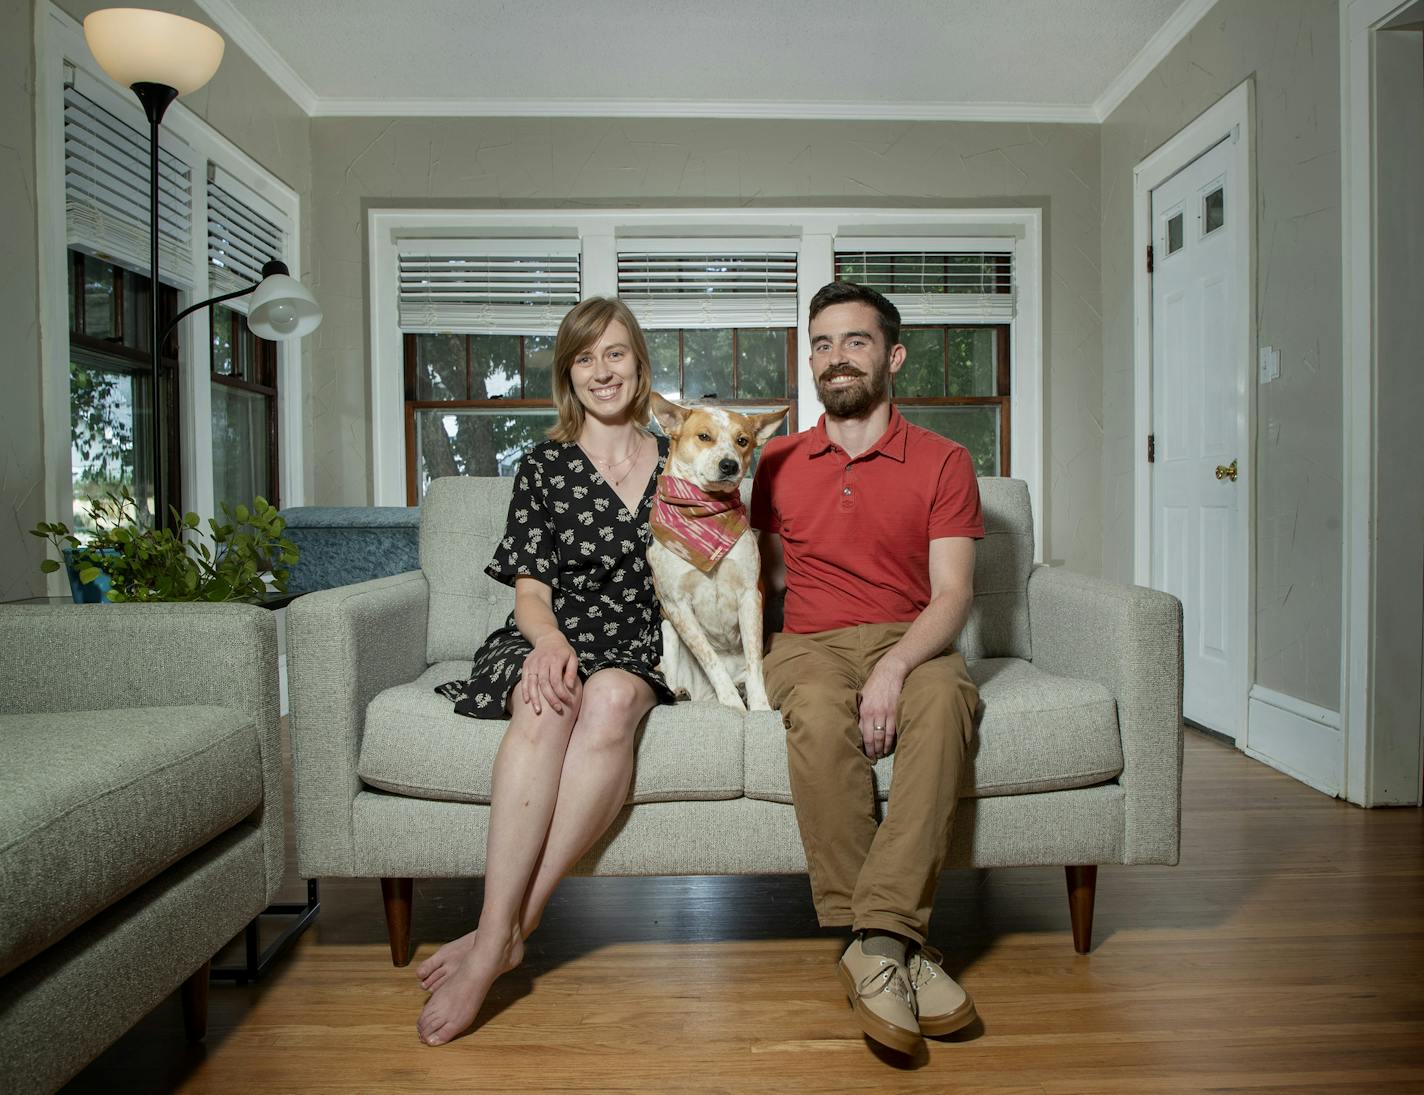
(550, 674)
(879, 700)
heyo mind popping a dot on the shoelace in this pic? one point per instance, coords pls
(923, 966)
(890, 981)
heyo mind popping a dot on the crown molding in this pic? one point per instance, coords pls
(702, 108)
(247, 38)
(1177, 27)
(242, 33)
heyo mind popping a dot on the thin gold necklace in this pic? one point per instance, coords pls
(605, 467)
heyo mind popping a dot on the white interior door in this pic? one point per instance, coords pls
(1197, 405)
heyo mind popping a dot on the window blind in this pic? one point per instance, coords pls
(106, 187)
(503, 287)
(244, 232)
(713, 287)
(936, 286)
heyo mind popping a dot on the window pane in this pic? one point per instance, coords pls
(761, 364)
(223, 349)
(973, 362)
(494, 366)
(976, 428)
(538, 371)
(922, 375)
(1215, 212)
(1174, 234)
(707, 364)
(475, 442)
(99, 317)
(440, 367)
(102, 413)
(664, 351)
(241, 468)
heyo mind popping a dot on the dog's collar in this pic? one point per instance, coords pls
(696, 525)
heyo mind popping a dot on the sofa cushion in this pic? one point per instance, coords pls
(1036, 732)
(414, 744)
(463, 519)
(95, 803)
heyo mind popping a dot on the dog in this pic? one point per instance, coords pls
(704, 559)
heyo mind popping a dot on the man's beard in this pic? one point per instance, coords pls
(853, 400)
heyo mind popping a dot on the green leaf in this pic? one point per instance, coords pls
(190, 520)
(241, 512)
(49, 566)
(88, 574)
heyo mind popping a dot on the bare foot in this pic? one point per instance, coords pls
(456, 1001)
(438, 966)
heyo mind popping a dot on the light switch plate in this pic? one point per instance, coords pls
(1270, 364)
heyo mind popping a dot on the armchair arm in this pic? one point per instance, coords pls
(81, 657)
(1129, 640)
(344, 646)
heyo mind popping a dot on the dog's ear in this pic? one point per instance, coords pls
(670, 416)
(767, 424)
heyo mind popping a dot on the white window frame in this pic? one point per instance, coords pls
(59, 37)
(812, 233)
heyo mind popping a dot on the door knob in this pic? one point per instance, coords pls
(1224, 471)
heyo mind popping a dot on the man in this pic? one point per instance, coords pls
(868, 523)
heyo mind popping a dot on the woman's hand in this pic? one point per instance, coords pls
(550, 675)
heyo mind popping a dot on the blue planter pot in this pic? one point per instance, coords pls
(86, 593)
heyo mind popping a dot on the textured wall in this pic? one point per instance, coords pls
(241, 103)
(1291, 47)
(359, 164)
(21, 453)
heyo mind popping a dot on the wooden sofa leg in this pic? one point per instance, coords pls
(396, 892)
(194, 995)
(1082, 888)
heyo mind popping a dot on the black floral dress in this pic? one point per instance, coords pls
(568, 528)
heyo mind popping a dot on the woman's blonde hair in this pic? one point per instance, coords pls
(580, 329)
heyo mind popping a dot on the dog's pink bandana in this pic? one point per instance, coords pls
(695, 525)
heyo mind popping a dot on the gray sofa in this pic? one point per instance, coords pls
(1077, 760)
(140, 817)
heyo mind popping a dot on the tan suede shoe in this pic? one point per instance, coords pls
(943, 1006)
(879, 991)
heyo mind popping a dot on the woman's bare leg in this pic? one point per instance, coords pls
(598, 768)
(593, 786)
(527, 772)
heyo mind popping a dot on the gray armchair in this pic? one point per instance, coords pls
(1077, 760)
(140, 817)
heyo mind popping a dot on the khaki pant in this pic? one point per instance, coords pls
(864, 874)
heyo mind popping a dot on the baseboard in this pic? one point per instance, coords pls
(1298, 738)
(282, 680)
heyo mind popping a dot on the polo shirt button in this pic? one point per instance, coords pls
(845, 490)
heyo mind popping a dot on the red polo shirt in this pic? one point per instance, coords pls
(856, 532)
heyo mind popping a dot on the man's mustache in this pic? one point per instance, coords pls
(845, 370)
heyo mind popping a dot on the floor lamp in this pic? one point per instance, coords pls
(160, 57)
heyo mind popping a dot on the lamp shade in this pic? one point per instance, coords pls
(137, 46)
(282, 308)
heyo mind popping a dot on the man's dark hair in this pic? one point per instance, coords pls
(848, 292)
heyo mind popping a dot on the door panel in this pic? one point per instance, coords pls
(1195, 420)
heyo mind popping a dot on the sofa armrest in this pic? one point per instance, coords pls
(1129, 640)
(88, 657)
(344, 646)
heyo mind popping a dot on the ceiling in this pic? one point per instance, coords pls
(1013, 59)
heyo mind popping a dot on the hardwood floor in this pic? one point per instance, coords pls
(1285, 954)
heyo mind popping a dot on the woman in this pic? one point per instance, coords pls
(573, 669)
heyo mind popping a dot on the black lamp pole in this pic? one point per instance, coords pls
(155, 99)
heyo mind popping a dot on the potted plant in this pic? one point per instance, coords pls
(246, 559)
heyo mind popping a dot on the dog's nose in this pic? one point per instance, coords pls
(728, 467)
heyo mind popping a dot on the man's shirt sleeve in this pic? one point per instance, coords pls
(763, 513)
(955, 510)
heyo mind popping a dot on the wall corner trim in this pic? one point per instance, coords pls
(247, 38)
(1177, 27)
